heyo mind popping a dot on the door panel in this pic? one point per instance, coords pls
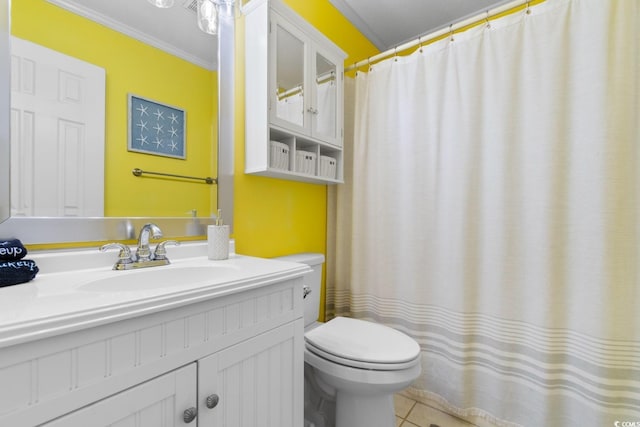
(57, 133)
(157, 403)
(259, 382)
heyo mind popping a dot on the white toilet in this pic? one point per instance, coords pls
(352, 367)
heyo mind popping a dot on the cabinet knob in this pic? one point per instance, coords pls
(212, 401)
(189, 415)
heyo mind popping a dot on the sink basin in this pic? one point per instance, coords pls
(159, 277)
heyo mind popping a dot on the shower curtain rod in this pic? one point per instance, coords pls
(486, 16)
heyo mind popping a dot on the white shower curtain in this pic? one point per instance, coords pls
(493, 213)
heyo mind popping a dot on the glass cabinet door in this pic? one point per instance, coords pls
(324, 110)
(290, 97)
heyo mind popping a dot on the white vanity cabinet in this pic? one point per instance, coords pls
(294, 78)
(249, 384)
(227, 355)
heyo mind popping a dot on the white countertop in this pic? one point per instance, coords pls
(73, 289)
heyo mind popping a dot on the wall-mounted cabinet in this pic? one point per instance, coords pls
(293, 96)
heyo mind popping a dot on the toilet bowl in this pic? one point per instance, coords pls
(353, 367)
(365, 363)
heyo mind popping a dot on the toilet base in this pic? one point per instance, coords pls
(357, 410)
(319, 402)
(363, 398)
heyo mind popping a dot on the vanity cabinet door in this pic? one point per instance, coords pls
(257, 383)
(159, 402)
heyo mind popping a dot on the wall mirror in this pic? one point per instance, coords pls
(325, 85)
(156, 54)
(290, 77)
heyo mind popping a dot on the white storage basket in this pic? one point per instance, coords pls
(328, 167)
(279, 155)
(306, 162)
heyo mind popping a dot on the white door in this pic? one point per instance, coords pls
(57, 133)
(160, 402)
(258, 383)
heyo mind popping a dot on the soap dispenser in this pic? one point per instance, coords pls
(218, 239)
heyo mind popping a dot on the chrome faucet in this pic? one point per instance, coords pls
(150, 230)
(143, 257)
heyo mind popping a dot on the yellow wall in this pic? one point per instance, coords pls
(275, 217)
(130, 67)
(328, 20)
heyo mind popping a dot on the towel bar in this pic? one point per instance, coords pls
(208, 180)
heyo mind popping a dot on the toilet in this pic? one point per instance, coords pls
(352, 367)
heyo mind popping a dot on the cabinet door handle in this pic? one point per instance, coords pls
(189, 415)
(212, 401)
(306, 290)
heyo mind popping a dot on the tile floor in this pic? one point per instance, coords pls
(410, 413)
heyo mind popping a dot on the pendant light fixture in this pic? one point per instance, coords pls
(162, 3)
(208, 16)
(207, 11)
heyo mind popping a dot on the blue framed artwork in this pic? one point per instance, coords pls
(156, 128)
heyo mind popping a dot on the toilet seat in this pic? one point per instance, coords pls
(361, 344)
(360, 364)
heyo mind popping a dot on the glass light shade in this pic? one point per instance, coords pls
(162, 3)
(208, 16)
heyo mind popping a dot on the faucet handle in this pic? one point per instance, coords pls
(124, 256)
(161, 252)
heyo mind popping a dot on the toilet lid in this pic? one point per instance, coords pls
(363, 341)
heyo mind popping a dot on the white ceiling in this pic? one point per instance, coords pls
(386, 23)
(389, 23)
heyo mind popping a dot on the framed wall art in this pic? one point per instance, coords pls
(156, 128)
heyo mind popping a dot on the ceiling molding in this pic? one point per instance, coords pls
(359, 23)
(133, 33)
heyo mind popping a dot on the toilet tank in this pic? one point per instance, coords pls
(313, 280)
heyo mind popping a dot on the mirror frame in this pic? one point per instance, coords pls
(5, 111)
(50, 230)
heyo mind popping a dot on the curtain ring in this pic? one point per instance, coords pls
(528, 11)
(395, 54)
(451, 33)
(487, 20)
(369, 63)
(420, 44)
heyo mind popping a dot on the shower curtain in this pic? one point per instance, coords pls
(492, 212)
